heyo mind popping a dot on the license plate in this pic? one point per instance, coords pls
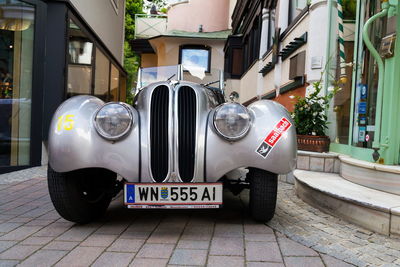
(173, 195)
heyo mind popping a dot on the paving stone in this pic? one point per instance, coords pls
(80, 256)
(77, 233)
(6, 244)
(203, 233)
(54, 229)
(97, 240)
(126, 245)
(112, 228)
(20, 233)
(9, 226)
(263, 251)
(114, 259)
(260, 237)
(257, 229)
(37, 222)
(227, 246)
(228, 230)
(165, 236)
(36, 240)
(231, 261)
(18, 252)
(43, 258)
(140, 262)
(8, 263)
(162, 251)
(190, 244)
(303, 262)
(332, 262)
(291, 248)
(189, 257)
(61, 245)
(265, 264)
(20, 220)
(135, 235)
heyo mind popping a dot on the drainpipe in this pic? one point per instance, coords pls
(376, 145)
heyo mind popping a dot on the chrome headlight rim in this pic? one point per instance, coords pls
(105, 135)
(230, 138)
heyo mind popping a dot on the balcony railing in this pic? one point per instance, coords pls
(148, 26)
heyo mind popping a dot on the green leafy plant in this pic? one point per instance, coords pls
(309, 112)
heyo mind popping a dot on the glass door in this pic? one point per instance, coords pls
(366, 78)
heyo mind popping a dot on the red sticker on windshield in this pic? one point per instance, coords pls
(273, 137)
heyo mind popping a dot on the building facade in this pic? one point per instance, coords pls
(192, 33)
(279, 48)
(49, 51)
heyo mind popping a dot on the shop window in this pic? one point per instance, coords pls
(80, 50)
(102, 76)
(114, 84)
(16, 57)
(195, 57)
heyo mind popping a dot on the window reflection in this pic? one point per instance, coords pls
(114, 84)
(80, 50)
(16, 56)
(102, 76)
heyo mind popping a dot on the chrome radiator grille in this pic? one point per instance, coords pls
(186, 132)
(159, 123)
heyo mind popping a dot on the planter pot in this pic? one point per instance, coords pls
(313, 143)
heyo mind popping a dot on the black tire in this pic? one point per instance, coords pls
(81, 196)
(263, 193)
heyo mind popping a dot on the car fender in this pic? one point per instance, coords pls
(75, 144)
(223, 156)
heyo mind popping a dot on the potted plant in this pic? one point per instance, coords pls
(310, 119)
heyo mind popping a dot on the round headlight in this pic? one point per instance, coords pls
(232, 121)
(113, 121)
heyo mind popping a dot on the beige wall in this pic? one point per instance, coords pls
(148, 60)
(269, 79)
(167, 50)
(187, 16)
(167, 54)
(248, 84)
(105, 21)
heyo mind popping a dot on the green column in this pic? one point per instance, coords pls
(390, 130)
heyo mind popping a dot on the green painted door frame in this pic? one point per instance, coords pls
(390, 123)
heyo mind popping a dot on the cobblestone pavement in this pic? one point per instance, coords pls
(33, 234)
(333, 236)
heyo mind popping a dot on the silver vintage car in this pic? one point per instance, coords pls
(178, 146)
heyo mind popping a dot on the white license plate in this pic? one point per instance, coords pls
(173, 195)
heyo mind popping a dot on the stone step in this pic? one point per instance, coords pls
(375, 210)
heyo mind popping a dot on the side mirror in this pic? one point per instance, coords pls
(234, 96)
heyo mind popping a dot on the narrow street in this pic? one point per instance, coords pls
(33, 234)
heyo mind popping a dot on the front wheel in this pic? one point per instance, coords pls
(81, 196)
(263, 193)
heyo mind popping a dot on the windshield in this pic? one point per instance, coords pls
(211, 78)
